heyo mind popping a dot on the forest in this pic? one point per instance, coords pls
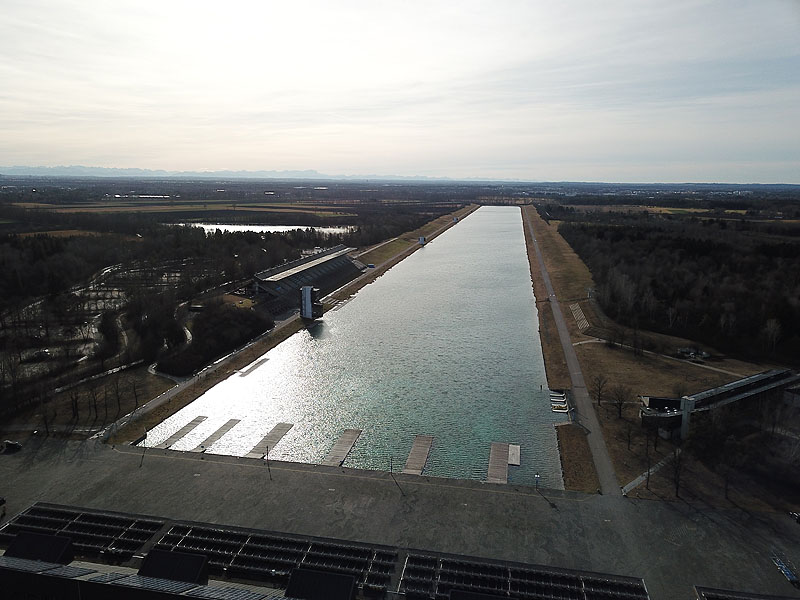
(732, 283)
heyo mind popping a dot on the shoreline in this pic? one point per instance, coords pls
(133, 425)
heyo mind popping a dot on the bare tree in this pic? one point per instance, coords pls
(85, 329)
(772, 333)
(599, 383)
(620, 394)
(12, 368)
(132, 382)
(118, 395)
(647, 456)
(672, 316)
(676, 465)
(105, 404)
(93, 392)
(74, 397)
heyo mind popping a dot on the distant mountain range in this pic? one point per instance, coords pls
(78, 171)
(81, 171)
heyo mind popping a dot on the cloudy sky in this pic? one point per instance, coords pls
(581, 90)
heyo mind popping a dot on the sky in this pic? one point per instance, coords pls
(574, 90)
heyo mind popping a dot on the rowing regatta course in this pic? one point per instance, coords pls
(445, 344)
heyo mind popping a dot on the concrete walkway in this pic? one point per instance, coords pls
(584, 413)
(643, 477)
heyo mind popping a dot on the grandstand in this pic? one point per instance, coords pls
(279, 288)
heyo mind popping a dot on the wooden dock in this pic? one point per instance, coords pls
(342, 448)
(206, 443)
(498, 463)
(514, 454)
(181, 432)
(269, 441)
(418, 455)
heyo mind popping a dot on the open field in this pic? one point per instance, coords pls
(61, 233)
(201, 207)
(654, 375)
(237, 301)
(384, 252)
(570, 277)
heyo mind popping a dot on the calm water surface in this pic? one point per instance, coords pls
(446, 343)
(211, 228)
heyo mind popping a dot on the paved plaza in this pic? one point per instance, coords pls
(673, 546)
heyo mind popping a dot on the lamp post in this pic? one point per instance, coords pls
(536, 478)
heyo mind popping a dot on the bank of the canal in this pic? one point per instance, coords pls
(445, 344)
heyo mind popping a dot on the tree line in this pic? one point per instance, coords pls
(734, 285)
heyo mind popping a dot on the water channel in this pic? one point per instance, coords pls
(445, 343)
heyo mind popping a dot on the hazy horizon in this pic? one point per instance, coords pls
(624, 92)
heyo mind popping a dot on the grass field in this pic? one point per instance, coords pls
(569, 275)
(579, 474)
(194, 207)
(61, 233)
(383, 252)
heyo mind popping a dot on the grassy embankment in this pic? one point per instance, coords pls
(247, 356)
(648, 374)
(566, 273)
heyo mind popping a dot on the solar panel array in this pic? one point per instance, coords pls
(246, 555)
(434, 577)
(93, 533)
(271, 558)
(714, 594)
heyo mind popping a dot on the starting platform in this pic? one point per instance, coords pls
(342, 448)
(206, 443)
(275, 435)
(498, 463)
(180, 433)
(418, 455)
